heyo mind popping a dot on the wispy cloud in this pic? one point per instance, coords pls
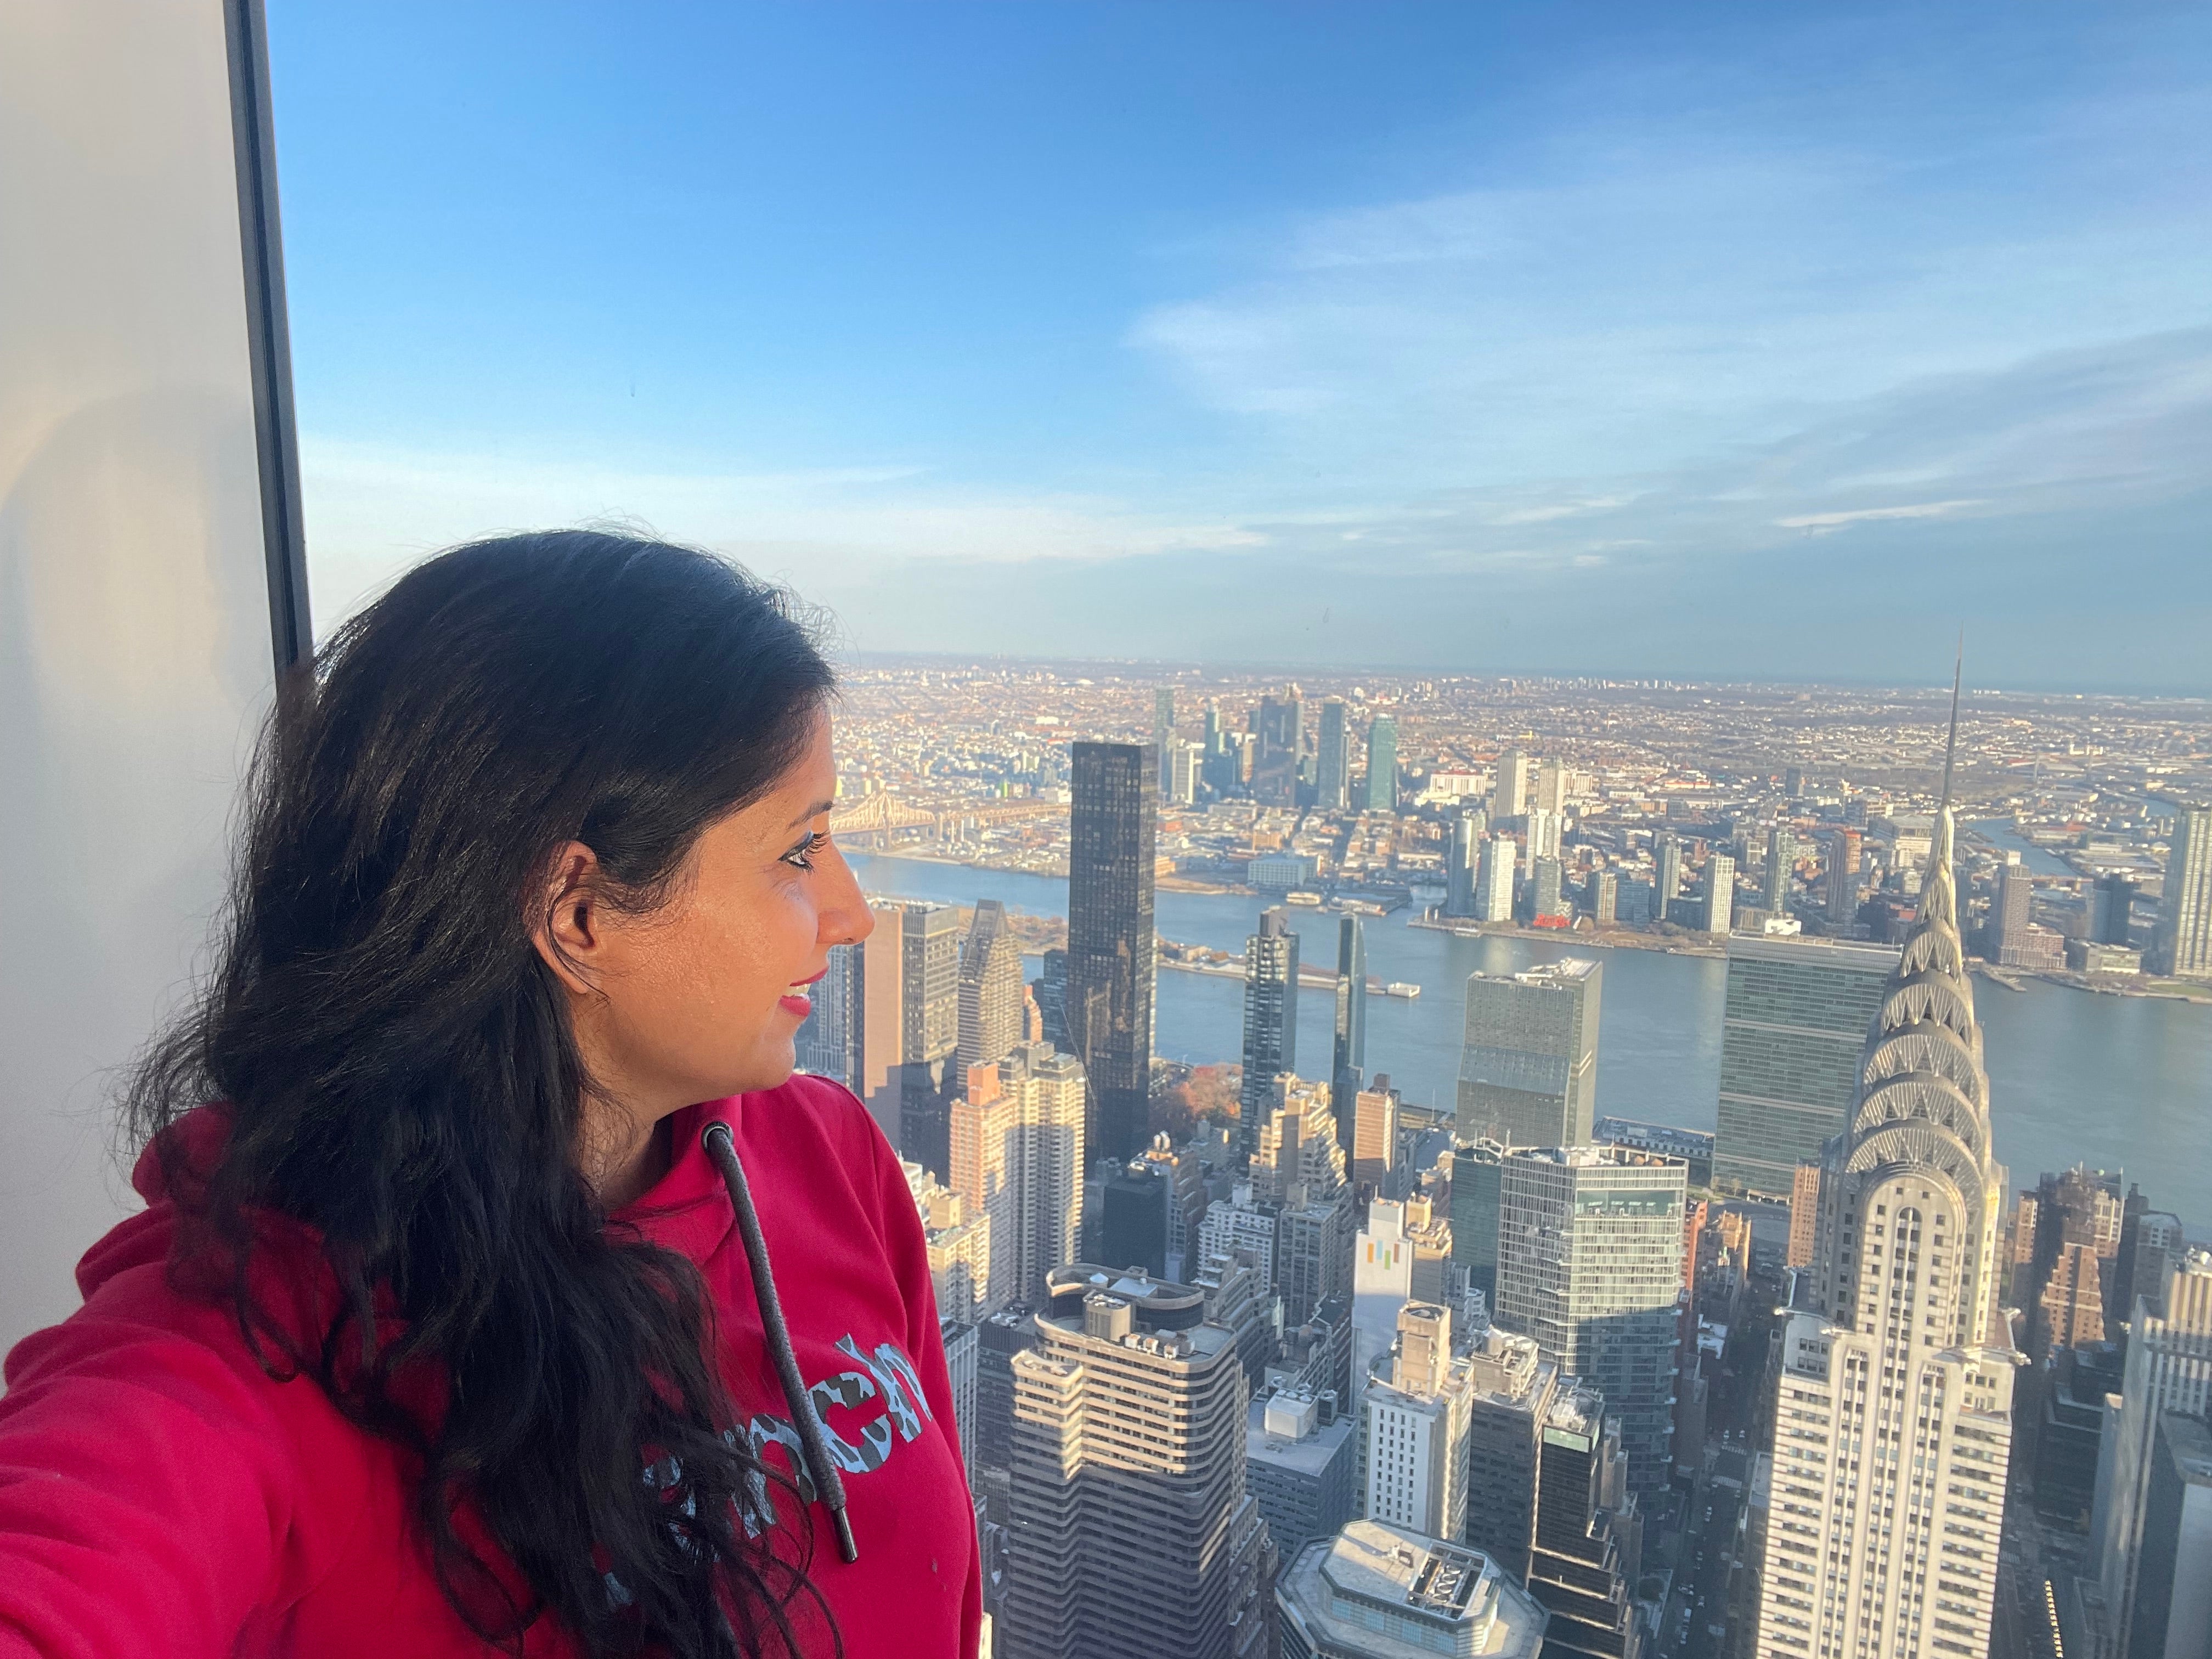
(1821, 523)
(378, 508)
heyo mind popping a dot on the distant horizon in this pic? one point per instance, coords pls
(1284, 669)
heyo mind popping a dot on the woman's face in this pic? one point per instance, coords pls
(702, 998)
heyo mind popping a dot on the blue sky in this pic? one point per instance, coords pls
(1703, 341)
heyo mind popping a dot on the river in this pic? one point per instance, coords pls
(2122, 1083)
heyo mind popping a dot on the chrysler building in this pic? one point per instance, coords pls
(1892, 1419)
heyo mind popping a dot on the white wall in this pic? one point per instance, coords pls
(135, 656)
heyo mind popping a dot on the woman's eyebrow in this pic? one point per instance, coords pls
(813, 811)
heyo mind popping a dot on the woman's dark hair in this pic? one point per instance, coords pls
(402, 1077)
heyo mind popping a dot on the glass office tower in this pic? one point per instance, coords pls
(1795, 1020)
(1528, 1075)
(1113, 828)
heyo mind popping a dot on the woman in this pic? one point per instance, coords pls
(439, 1333)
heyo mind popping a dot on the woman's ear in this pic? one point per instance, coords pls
(569, 935)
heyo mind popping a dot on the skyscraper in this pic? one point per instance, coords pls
(2170, 1614)
(1584, 1564)
(1279, 725)
(1136, 1538)
(1551, 792)
(1719, 894)
(1667, 855)
(1509, 795)
(2182, 948)
(1382, 790)
(1412, 1433)
(1017, 1160)
(1163, 717)
(1113, 822)
(929, 1031)
(1604, 891)
(2009, 914)
(830, 1042)
(1271, 1013)
(1493, 881)
(1843, 878)
(1589, 1266)
(1183, 763)
(1527, 1074)
(1477, 1173)
(1794, 1023)
(990, 989)
(1543, 834)
(1462, 861)
(1375, 1591)
(1897, 1390)
(1513, 1386)
(883, 1016)
(1547, 899)
(1348, 1063)
(1332, 775)
(1051, 990)
(1780, 859)
(2169, 1369)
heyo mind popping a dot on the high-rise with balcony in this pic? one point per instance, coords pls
(1528, 1073)
(1333, 770)
(1894, 1408)
(1794, 1022)
(1381, 791)
(1271, 1013)
(1589, 1266)
(1348, 1058)
(1113, 828)
(1133, 1536)
(1780, 860)
(2182, 947)
(990, 989)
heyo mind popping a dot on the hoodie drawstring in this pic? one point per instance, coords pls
(828, 1485)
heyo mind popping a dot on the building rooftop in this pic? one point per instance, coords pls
(1310, 1453)
(1383, 1591)
(1567, 970)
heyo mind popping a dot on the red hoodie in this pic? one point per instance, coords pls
(160, 1493)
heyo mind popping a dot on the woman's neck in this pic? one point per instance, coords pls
(625, 1164)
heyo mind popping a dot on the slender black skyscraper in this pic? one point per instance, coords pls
(1271, 1014)
(1333, 773)
(1348, 1063)
(1114, 819)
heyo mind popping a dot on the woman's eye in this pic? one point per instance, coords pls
(801, 856)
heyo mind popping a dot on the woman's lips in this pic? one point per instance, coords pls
(799, 1006)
